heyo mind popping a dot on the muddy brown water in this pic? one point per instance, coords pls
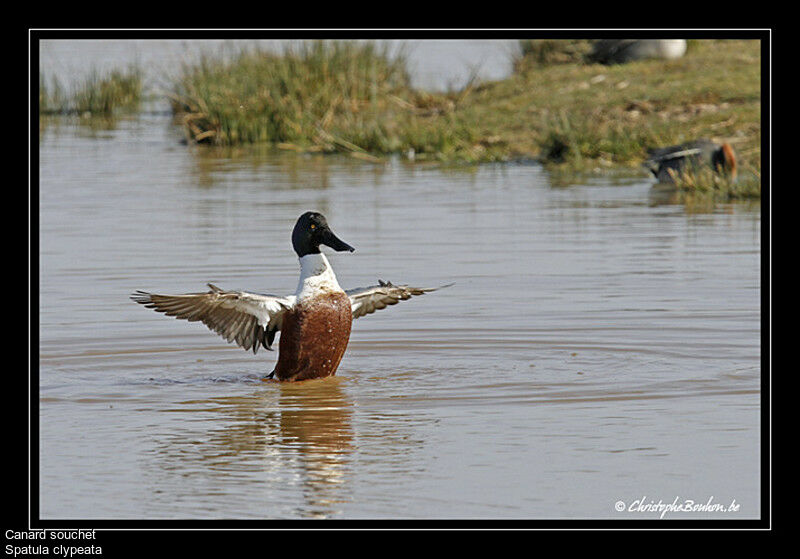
(600, 344)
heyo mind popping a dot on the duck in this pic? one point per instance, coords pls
(667, 163)
(314, 323)
(620, 51)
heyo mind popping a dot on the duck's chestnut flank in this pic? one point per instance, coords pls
(314, 337)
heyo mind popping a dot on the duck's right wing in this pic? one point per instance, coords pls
(249, 319)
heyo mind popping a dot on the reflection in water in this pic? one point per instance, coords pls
(297, 434)
(661, 194)
(211, 165)
(315, 419)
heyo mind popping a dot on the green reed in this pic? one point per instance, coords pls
(329, 96)
(99, 94)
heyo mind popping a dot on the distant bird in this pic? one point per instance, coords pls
(314, 322)
(619, 51)
(669, 162)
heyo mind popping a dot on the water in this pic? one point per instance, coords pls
(600, 344)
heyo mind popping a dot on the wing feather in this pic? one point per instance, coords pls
(367, 300)
(249, 319)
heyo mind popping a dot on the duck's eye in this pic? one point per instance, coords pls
(313, 226)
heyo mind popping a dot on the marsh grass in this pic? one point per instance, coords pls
(327, 96)
(588, 116)
(100, 94)
(718, 186)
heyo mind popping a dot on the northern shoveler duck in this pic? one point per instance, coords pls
(314, 322)
(668, 163)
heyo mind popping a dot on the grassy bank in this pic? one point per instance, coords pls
(587, 117)
(327, 97)
(100, 94)
(575, 116)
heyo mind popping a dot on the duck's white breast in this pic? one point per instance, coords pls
(316, 277)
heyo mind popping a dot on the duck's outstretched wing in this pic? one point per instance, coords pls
(367, 300)
(249, 319)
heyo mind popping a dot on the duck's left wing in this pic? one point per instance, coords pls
(367, 300)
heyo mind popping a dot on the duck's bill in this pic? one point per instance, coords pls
(336, 243)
